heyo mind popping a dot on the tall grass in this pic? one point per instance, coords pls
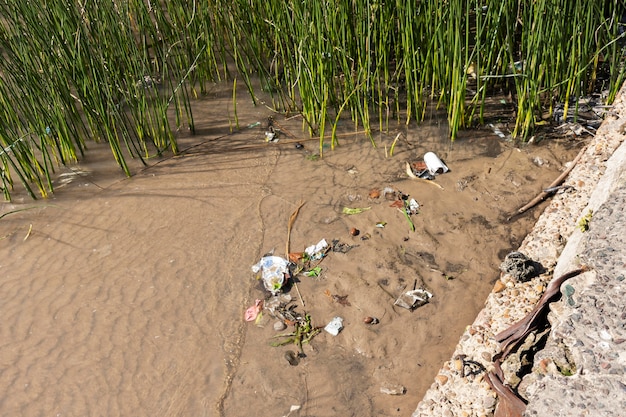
(75, 71)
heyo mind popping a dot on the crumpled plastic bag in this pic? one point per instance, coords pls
(274, 271)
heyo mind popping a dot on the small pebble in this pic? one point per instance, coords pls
(441, 379)
(279, 326)
(354, 231)
(370, 320)
(374, 193)
(499, 286)
(292, 358)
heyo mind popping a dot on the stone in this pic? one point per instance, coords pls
(279, 326)
(392, 389)
(441, 379)
(499, 286)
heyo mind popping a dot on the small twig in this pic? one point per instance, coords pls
(292, 220)
(543, 194)
(30, 229)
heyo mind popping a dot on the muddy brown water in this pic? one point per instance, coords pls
(126, 296)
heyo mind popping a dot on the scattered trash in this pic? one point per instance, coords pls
(314, 272)
(375, 193)
(271, 135)
(296, 257)
(299, 146)
(304, 332)
(337, 246)
(255, 124)
(412, 207)
(348, 210)
(371, 320)
(389, 193)
(341, 299)
(392, 389)
(419, 166)
(539, 161)
(428, 169)
(317, 251)
(292, 409)
(434, 164)
(274, 271)
(498, 132)
(413, 299)
(366, 236)
(381, 225)
(407, 207)
(334, 326)
(253, 311)
(520, 267)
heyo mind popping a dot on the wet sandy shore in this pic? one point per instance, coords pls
(126, 296)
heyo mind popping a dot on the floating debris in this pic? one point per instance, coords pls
(413, 299)
(338, 246)
(350, 211)
(253, 311)
(274, 271)
(317, 251)
(334, 326)
(393, 389)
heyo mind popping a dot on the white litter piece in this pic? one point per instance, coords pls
(292, 409)
(317, 251)
(413, 206)
(434, 164)
(393, 389)
(274, 270)
(334, 326)
(413, 299)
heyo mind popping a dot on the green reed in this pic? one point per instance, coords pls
(126, 72)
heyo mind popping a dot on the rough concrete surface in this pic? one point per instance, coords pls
(589, 322)
(577, 367)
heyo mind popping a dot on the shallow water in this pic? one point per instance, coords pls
(127, 295)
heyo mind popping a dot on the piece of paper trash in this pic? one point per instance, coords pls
(413, 299)
(317, 251)
(292, 409)
(334, 326)
(413, 206)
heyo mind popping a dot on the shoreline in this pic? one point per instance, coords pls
(460, 391)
